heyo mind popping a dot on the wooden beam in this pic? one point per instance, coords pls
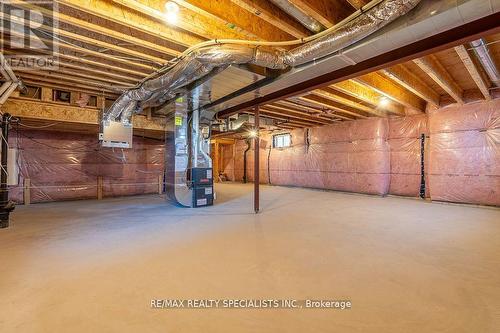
(36, 79)
(302, 115)
(331, 107)
(70, 114)
(295, 117)
(347, 102)
(99, 29)
(273, 15)
(391, 90)
(294, 105)
(432, 67)
(402, 76)
(326, 110)
(326, 12)
(187, 20)
(132, 19)
(278, 116)
(473, 71)
(366, 94)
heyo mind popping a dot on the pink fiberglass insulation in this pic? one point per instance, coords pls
(464, 153)
(405, 144)
(66, 166)
(348, 156)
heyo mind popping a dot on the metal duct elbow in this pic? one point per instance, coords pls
(306, 20)
(483, 55)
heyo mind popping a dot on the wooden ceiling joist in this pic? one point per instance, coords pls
(237, 17)
(301, 115)
(298, 106)
(392, 91)
(401, 75)
(432, 67)
(265, 10)
(333, 97)
(36, 80)
(54, 77)
(474, 72)
(96, 54)
(133, 19)
(100, 29)
(335, 109)
(326, 12)
(187, 20)
(357, 4)
(367, 95)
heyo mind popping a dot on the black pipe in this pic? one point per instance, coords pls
(6, 206)
(245, 161)
(422, 168)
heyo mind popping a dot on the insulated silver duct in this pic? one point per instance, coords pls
(306, 20)
(483, 55)
(202, 61)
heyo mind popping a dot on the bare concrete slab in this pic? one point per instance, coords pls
(406, 265)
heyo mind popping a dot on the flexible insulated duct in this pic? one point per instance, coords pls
(202, 61)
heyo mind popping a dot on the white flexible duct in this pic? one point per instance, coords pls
(12, 82)
(203, 60)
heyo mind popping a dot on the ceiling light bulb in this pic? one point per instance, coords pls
(384, 101)
(171, 7)
(252, 133)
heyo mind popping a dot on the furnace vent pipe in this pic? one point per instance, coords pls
(483, 55)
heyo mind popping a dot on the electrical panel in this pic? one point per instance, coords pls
(116, 134)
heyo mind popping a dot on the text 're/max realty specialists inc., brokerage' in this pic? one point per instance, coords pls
(250, 304)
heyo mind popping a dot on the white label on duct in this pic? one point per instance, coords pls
(201, 202)
(208, 190)
(209, 173)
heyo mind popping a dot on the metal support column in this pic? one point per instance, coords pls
(6, 206)
(256, 168)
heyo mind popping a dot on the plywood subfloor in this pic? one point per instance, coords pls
(406, 265)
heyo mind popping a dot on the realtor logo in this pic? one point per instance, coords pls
(28, 32)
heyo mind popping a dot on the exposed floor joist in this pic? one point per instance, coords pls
(473, 71)
(431, 66)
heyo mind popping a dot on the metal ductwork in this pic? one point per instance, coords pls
(201, 62)
(483, 55)
(292, 10)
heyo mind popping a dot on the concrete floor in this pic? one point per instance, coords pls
(406, 265)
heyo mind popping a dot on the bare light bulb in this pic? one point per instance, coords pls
(171, 11)
(252, 133)
(383, 102)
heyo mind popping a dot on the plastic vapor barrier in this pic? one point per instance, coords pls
(405, 143)
(383, 156)
(464, 153)
(67, 166)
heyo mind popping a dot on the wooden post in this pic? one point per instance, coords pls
(100, 102)
(99, 188)
(47, 94)
(160, 184)
(256, 168)
(27, 191)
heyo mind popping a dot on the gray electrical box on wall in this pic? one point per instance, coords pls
(116, 134)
